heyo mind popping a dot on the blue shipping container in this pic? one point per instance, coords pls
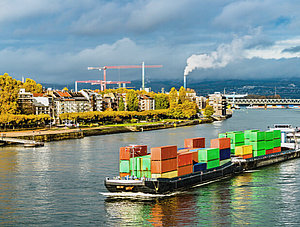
(200, 166)
(224, 154)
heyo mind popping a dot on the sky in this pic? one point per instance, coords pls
(54, 41)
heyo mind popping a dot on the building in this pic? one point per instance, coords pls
(146, 103)
(218, 102)
(25, 102)
(95, 99)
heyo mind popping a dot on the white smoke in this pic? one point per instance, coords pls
(224, 54)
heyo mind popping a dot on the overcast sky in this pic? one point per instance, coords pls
(56, 40)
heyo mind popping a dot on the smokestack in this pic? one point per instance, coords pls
(184, 81)
(143, 76)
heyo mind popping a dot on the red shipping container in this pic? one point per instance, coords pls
(163, 153)
(195, 142)
(270, 151)
(124, 174)
(185, 158)
(183, 170)
(276, 149)
(132, 151)
(163, 166)
(246, 156)
(221, 143)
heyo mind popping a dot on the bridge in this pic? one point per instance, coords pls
(265, 102)
(27, 143)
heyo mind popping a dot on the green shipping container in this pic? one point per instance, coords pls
(146, 174)
(277, 142)
(269, 135)
(222, 135)
(124, 166)
(277, 134)
(236, 137)
(145, 162)
(259, 153)
(213, 164)
(208, 154)
(259, 145)
(135, 164)
(257, 136)
(269, 144)
(248, 132)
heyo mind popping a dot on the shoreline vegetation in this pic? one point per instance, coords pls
(57, 134)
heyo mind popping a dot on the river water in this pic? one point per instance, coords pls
(61, 183)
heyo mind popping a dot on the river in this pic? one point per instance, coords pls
(61, 183)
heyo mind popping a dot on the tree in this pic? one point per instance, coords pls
(208, 111)
(161, 101)
(132, 101)
(9, 90)
(173, 96)
(121, 104)
(31, 86)
(182, 95)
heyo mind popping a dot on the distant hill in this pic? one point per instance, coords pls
(286, 88)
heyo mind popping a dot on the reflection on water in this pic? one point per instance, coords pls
(60, 184)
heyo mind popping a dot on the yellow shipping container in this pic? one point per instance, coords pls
(165, 175)
(243, 150)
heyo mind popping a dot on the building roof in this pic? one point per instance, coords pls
(63, 94)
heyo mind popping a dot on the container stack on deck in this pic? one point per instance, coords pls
(169, 162)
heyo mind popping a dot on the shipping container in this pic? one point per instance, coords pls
(269, 144)
(163, 166)
(222, 135)
(199, 166)
(277, 142)
(225, 153)
(145, 162)
(213, 163)
(269, 151)
(198, 142)
(183, 170)
(276, 149)
(163, 153)
(246, 156)
(124, 166)
(233, 146)
(269, 135)
(258, 145)
(257, 136)
(277, 134)
(221, 143)
(248, 132)
(236, 137)
(132, 151)
(185, 158)
(243, 150)
(206, 154)
(259, 152)
(165, 175)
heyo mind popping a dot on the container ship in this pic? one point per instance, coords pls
(168, 169)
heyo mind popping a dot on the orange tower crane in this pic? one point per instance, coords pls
(104, 68)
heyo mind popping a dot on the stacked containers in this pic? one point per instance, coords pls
(184, 162)
(277, 141)
(244, 151)
(236, 139)
(141, 166)
(194, 142)
(224, 149)
(257, 141)
(164, 162)
(269, 142)
(210, 156)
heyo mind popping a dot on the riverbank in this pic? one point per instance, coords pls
(47, 135)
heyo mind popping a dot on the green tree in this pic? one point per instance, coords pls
(132, 101)
(161, 101)
(121, 104)
(173, 96)
(208, 111)
(182, 95)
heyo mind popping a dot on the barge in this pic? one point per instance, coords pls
(169, 185)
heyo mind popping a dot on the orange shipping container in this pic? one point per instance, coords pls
(276, 149)
(194, 142)
(183, 170)
(124, 174)
(163, 153)
(185, 158)
(221, 143)
(246, 156)
(132, 151)
(195, 156)
(270, 151)
(163, 166)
